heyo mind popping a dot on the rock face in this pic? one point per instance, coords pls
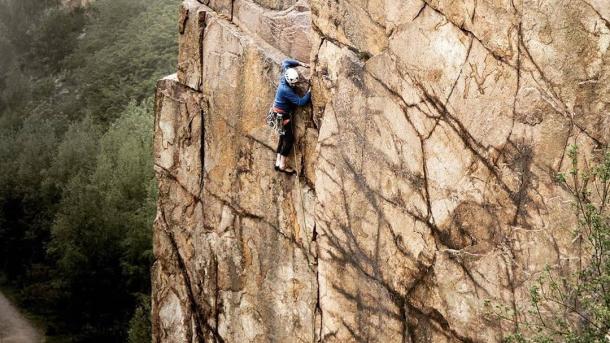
(76, 3)
(426, 166)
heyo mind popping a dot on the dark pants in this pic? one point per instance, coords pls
(284, 146)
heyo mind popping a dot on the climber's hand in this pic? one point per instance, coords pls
(286, 121)
(305, 65)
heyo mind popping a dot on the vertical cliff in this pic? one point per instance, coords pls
(426, 166)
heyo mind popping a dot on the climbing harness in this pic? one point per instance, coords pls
(274, 121)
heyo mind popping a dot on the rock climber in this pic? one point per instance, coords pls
(286, 101)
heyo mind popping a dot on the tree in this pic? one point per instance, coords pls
(102, 235)
(140, 324)
(143, 50)
(77, 193)
(54, 39)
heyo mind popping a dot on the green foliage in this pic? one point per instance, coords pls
(76, 152)
(27, 206)
(140, 325)
(125, 174)
(16, 19)
(142, 51)
(101, 237)
(575, 308)
(77, 191)
(54, 39)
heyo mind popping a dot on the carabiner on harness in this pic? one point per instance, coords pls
(275, 121)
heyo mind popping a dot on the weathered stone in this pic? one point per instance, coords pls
(426, 167)
(178, 128)
(349, 23)
(272, 295)
(250, 264)
(191, 28)
(276, 4)
(222, 7)
(287, 30)
(76, 3)
(465, 127)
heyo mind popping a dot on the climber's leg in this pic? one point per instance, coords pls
(280, 145)
(288, 140)
(284, 168)
(286, 146)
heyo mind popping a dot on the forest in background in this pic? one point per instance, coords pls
(77, 189)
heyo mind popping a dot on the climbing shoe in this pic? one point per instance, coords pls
(287, 170)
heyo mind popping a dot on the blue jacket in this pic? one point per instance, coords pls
(286, 98)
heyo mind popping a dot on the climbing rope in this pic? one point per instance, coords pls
(298, 176)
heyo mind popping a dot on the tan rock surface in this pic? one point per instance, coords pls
(76, 3)
(426, 166)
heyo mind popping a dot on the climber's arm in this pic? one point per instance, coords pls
(296, 99)
(288, 63)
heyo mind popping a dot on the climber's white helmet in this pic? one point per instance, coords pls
(292, 76)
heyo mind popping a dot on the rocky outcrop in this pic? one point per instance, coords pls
(426, 166)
